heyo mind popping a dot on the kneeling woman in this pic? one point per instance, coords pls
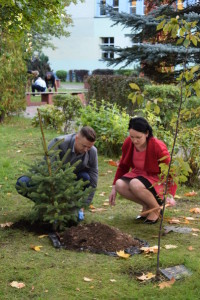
(137, 176)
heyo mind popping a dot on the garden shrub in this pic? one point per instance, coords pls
(71, 75)
(127, 72)
(110, 124)
(70, 106)
(51, 116)
(103, 72)
(170, 95)
(61, 74)
(80, 74)
(60, 115)
(114, 89)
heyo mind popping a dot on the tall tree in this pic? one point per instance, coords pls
(26, 25)
(159, 54)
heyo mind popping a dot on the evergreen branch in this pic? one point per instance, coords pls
(63, 160)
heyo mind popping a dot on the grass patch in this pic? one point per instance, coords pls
(58, 274)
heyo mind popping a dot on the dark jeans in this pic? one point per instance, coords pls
(37, 88)
(26, 180)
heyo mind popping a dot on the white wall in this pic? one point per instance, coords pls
(82, 49)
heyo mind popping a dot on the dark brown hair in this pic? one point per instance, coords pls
(89, 133)
(140, 124)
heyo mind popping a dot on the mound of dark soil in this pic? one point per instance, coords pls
(94, 237)
(97, 237)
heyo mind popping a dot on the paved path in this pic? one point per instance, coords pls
(30, 111)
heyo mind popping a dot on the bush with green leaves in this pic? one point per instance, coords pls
(114, 89)
(61, 74)
(110, 124)
(70, 106)
(168, 96)
(60, 115)
(12, 77)
(52, 117)
(55, 190)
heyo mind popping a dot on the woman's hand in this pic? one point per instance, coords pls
(112, 196)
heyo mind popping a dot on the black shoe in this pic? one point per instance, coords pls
(140, 218)
(151, 222)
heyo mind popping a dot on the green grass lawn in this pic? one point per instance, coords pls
(59, 274)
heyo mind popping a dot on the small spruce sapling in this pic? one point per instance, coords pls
(55, 190)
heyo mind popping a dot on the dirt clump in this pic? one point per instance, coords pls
(97, 237)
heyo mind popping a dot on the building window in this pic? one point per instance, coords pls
(107, 41)
(102, 7)
(133, 7)
(116, 5)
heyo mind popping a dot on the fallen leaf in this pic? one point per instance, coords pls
(195, 229)
(190, 194)
(42, 236)
(122, 254)
(190, 218)
(195, 234)
(109, 171)
(18, 151)
(102, 194)
(190, 248)
(112, 280)
(177, 197)
(170, 247)
(91, 206)
(186, 221)
(153, 249)
(7, 224)
(113, 163)
(167, 284)
(174, 221)
(18, 285)
(106, 204)
(36, 248)
(100, 209)
(195, 210)
(87, 279)
(147, 276)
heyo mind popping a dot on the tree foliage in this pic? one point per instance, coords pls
(25, 26)
(12, 77)
(156, 50)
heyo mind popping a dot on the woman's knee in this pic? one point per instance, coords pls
(120, 185)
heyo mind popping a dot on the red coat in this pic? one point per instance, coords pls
(155, 150)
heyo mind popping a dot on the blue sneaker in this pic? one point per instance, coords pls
(81, 215)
